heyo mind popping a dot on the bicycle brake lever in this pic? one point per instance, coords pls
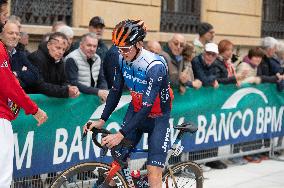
(104, 148)
(85, 133)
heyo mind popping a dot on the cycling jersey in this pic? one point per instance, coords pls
(147, 79)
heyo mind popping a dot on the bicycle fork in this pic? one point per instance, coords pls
(115, 167)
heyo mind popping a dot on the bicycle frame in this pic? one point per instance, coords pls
(115, 166)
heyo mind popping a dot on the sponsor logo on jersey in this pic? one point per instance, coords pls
(4, 64)
(133, 78)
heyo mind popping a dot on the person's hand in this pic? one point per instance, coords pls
(215, 84)
(112, 140)
(97, 124)
(183, 77)
(279, 77)
(257, 80)
(241, 76)
(14, 72)
(103, 94)
(196, 84)
(73, 91)
(182, 89)
(40, 116)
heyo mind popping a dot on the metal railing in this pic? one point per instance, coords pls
(181, 16)
(38, 12)
(224, 152)
(273, 18)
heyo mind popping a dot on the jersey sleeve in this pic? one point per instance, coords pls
(114, 93)
(155, 76)
(10, 88)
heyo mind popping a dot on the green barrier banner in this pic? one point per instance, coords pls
(226, 115)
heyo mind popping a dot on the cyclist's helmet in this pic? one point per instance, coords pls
(128, 32)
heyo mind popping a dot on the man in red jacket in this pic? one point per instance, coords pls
(12, 98)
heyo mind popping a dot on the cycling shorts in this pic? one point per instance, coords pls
(158, 130)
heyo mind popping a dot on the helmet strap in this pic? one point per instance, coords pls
(137, 52)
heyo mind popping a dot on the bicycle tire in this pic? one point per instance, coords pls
(186, 174)
(89, 174)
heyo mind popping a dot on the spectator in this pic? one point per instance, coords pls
(270, 69)
(173, 50)
(202, 65)
(224, 69)
(155, 47)
(183, 74)
(84, 68)
(280, 53)
(250, 64)
(270, 65)
(25, 72)
(68, 31)
(12, 98)
(206, 34)
(48, 60)
(23, 43)
(55, 26)
(97, 26)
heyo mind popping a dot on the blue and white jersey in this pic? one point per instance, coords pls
(147, 79)
(135, 73)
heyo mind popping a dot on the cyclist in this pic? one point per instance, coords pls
(146, 76)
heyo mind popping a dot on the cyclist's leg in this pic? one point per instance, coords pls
(158, 141)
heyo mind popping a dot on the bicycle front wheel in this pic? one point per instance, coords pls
(87, 175)
(184, 174)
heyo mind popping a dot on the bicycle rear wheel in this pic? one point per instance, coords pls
(184, 174)
(86, 175)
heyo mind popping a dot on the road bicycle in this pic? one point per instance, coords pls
(101, 175)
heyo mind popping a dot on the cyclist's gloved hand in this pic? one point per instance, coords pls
(112, 140)
(91, 124)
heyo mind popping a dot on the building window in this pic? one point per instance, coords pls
(180, 16)
(39, 12)
(273, 18)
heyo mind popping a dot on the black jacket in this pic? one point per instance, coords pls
(221, 73)
(27, 74)
(203, 72)
(52, 80)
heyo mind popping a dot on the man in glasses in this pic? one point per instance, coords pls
(146, 76)
(202, 65)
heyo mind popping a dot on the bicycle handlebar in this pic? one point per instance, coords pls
(183, 128)
(104, 132)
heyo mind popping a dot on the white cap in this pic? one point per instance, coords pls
(211, 47)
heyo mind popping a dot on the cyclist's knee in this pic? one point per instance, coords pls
(154, 171)
(155, 176)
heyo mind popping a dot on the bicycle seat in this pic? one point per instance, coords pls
(187, 127)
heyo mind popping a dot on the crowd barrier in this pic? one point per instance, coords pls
(231, 122)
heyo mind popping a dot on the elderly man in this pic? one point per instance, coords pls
(48, 60)
(84, 68)
(26, 73)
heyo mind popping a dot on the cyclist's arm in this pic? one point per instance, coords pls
(114, 94)
(155, 77)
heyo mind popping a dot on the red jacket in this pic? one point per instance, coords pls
(12, 96)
